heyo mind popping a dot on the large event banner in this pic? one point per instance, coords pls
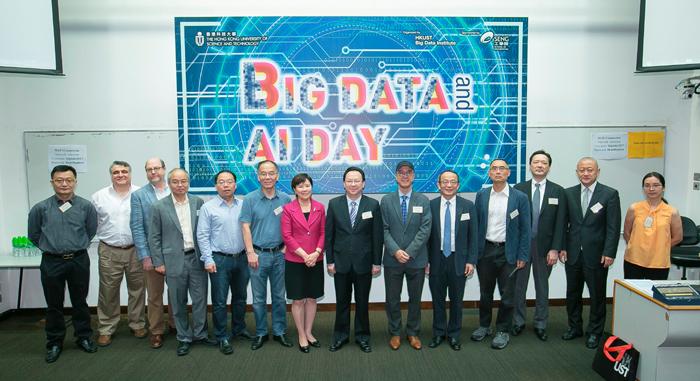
(318, 94)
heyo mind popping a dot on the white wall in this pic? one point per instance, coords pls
(119, 62)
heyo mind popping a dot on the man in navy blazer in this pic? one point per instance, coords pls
(504, 248)
(452, 254)
(141, 202)
(354, 239)
(594, 220)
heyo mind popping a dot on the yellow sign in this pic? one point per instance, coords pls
(644, 145)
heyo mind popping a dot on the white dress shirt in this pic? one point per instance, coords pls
(161, 194)
(182, 209)
(453, 212)
(498, 210)
(113, 214)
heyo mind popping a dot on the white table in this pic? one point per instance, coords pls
(10, 262)
(667, 337)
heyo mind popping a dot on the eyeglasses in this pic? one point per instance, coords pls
(404, 173)
(179, 182)
(449, 182)
(63, 181)
(224, 182)
(153, 169)
(652, 186)
(499, 168)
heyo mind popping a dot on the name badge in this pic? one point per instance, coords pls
(596, 208)
(278, 211)
(197, 212)
(648, 222)
(366, 215)
(553, 201)
(66, 205)
(464, 217)
(417, 209)
(514, 214)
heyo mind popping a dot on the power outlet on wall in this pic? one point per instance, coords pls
(696, 185)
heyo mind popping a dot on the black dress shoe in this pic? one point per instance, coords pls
(246, 335)
(541, 334)
(454, 343)
(225, 347)
(364, 346)
(592, 341)
(53, 353)
(337, 345)
(436, 341)
(282, 339)
(315, 344)
(206, 341)
(304, 349)
(517, 329)
(87, 345)
(258, 342)
(571, 334)
(183, 348)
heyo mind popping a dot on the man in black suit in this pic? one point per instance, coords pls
(452, 254)
(354, 237)
(594, 219)
(547, 202)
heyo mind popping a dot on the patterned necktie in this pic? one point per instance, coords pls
(535, 209)
(404, 208)
(353, 213)
(447, 232)
(585, 199)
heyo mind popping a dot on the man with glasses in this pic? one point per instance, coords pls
(593, 219)
(406, 219)
(221, 243)
(175, 254)
(452, 254)
(504, 248)
(354, 255)
(117, 257)
(141, 202)
(62, 227)
(260, 219)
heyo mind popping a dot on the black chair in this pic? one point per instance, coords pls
(687, 252)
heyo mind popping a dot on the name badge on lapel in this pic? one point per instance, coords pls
(417, 209)
(596, 208)
(278, 210)
(64, 208)
(464, 217)
(514, 214)
(553, 201)
(366, 215)
(197, 212)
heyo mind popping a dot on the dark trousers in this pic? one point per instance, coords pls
(393, 281)
(55, 273)
(540, 273)
(633, 271)
(445, 281)
(344, 284)
(493, 267)
(231, 274)
(595, 278)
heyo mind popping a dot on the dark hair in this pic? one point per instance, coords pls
(216, 177)
(267, 162)
(64, 168)
(448, 171)
(300, 178)
(541, 152)
(119, 163)
(356, 169)
(657, 175)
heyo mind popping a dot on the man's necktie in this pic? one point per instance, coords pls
(585, 199)
(353, 213)
(535, 209)
(404, 208)
(447, 232)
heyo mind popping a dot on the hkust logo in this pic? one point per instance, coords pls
(199, 39)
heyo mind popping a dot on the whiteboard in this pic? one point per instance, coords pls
(568, 144)
(103, 147)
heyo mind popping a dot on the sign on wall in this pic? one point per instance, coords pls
(319, 94)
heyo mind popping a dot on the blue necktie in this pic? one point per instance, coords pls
(447, 232)
(404, 208)
(535, 209)
(353, 213)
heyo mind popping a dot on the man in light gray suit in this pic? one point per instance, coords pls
(175, 254)
(407, 220)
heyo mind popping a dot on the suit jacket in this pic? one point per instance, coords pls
(518, 228)
(141, 201)
(412, 237)
(298, 232)
(552, 223)
(354, 248)
(165, 234)
(593, 234)
(465, 228)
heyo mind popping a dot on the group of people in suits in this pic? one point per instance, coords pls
(269, 236)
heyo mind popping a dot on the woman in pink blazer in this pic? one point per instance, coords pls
(303, 231)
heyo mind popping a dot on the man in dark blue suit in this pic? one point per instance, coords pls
(452, 253)
(593, 232)
(504, 248)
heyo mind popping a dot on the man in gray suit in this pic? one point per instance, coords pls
(175, 254)
(407, 220)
